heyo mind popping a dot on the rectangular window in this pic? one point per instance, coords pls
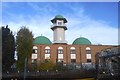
(34, 51)
(60, 60)
(60, 51)
(88, 52)
(47, 51)
(73, 60)
(34, 60)
(73, 52)
(47, 56)
(60, 56)
(34, 56)
(73, 56)
(88, 60)
(88, 56)
(59, 22)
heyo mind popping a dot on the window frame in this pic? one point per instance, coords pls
(73, 60)
(47, 51)
(89, 60)
(34, 61)
(60, 51)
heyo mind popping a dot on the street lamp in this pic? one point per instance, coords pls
(25, 66)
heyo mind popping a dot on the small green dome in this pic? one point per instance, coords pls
(41, 40)
(59, 16)
(82, 40)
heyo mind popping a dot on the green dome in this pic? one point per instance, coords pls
(41, 40)
(82, 40)
(59, 16)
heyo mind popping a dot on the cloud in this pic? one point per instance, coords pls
(36, 25)
(97, 31)
(79, 24)
(41, 8)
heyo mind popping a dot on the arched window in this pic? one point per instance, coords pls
(88, 54)
(47, 52)
(73, 54)
(35, 49)
(72, 50)
(60, 53)
(87, 48)
(34, 54)
(60, 50)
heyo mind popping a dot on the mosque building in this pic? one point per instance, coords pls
(81, 51)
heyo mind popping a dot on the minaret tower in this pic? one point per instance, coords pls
(59, 28)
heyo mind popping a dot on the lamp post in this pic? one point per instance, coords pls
(80, 58)
(66, 58)
(25, 66)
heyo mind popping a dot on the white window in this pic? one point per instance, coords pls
(88, 60)
(34, 56)
(47, 47)
(34, 60)
(60, 50)
(73, 53)
(60, 56)
(35, 49)
(59, 60)
(60, 47)
(59, 22)
(47, 50)
(73, 60)
(88, 56)
(72, 50)
(73, 56)
(47, 56)
(88, 48)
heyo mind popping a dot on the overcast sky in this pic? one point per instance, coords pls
(97, 21)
